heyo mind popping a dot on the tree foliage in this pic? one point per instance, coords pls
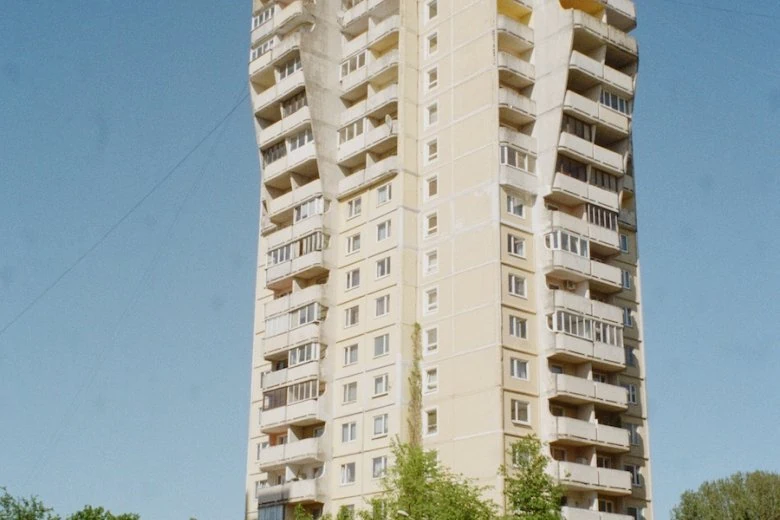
(12, 508)
(414, 419)
(531, 493)
(742, 496)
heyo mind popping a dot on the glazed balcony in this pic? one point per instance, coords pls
(261, 68)
(513, 35)
(585, 72)
(606, 240)
(379, 70)
(376, 105)
(576, 268)
(290, 233)
(373, 174)
(306, 451)
(285, 127)
(604, 34)
(280, 209)
(514, 108)
(298, 373)
(305, 267)
(571, 191)
(297, 492)
(575, 513)
(299, 298)
(379, 139)
(513, 176)
(578, 390)
(302, 161)
(558, 299)
(303, 413)
(575, 432)
(514, 71)
(267, 102)
(591, 153)
(610, 123)
(584, 477)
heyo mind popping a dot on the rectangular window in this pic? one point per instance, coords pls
(635, 476)
(431, 114)
(615, 102)
(384, 194)
(306, 314)
(574, 126)
(354, 207)
(432, 78)
(602, 179)
(602, 217)
(383, 267)
(274, 153)
(518, 369)
(351, 316)
(624, 243)
(514, 206)
(262, 17)
(431, 420)
(293, 104)
(381, 345)
(519, 412)
(431, 151)
(633, 433)
(431, 261)
(572, 168)
(518, 327)
(350, 355)
(634, 513)
(353, 63)
(516, 245)
(290, 67)
(628, 318)
(353, 278)
(431, 300)
(431, 44)
(271, 512)
(308, 209)
(382, 305)
(517, 159)
(350, 393)
(348, 473)
(381, 385)
(302, 391)
(261, 49)
(565, 241)
(630, 357)
(383, 231)
(380, 425)
(633, 397)
(351, 131)
(517, 285)
(300, 139)
(431, 10)
(348, 432)
(625, 279)
(431, 380)
(431, 187)
(431, 225)
(431, 340)
(378, 466)
(353, 243)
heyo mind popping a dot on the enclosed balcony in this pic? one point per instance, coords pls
(610, 124)
(575, 432)
(285, 127)
(585, 73)
(302, 160)
(261, 69)
(605, 239)
(306, 451)
(575, 513)
(300, 259)
(296, 492)
(313, 293)
(378, 70)
(515, 72)
(572, 192)
(280, 209)
(514, 108)
(302, 372)
(578, 390)
(369, 176)
(379, 139)
(590, 478)
(513, 35)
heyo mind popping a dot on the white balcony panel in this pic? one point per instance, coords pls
(583, 476)
(574, 513)
(586, 192)
(305, 153)
(517, 139)
(282, 46)
(305, 371)
(289, 200)
(369, 138)
(291, 492)
(604, 73)
(384, 62)
(592, 153)
(607, 33)
(294, 266)
(383, 28)
(523, 34)
(285, 126)
(518, 179)
(277, 91)
(594, 112)
(512, 100)
(302, 412)
(306, 449)
(605, 273)
(314, 293)
(517, 66)
(289, 233)
(579, 388)
(375, 173)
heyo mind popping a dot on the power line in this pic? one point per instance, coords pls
(121, 220)
(725, 9)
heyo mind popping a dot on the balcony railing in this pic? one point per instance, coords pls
(578, 432)
(297, 452)
(570, 266)
(309, 333)
(585, 477)
(621, 13)
(371, 104)
(590, 152)
(598, 235)
(297, 414)
(627, 218)
(573, 190)
(515, 107)
(280, 209)
(285, 126)
(272, 95)
(594, 112)
(574, 513)
(518, 73)
(520, 37)
(599, 72)
(282, 47)
(314, 293)
(605, 32)
(310, 370)
(291, 492)
(580, 390)
(305, 266)
(379, 33)
(302, 158)
(366, 142)
(375, 173)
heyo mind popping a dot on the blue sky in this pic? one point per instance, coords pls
(127, 384)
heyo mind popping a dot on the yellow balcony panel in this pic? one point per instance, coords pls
(374, 174)
(513, 35)
(515, 72)
(576, 432)
(280, 209)
(297, 492)
(514, 108)
(306, 451)
(516, 8)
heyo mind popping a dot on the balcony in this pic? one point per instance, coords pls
(285, 127)
(303, 372)
(280, 209)
(514, 71)
(300, 491)
(266, 103)
(313, 293)
(573, 349)
(628, 185)
(304, 413)
(283, 47)
(517, 139)
(355, 20)
(302, 161)
(602, 238)
(383, 35)
(585, 72)
(514, 108)
(621, 13)
(513, 35)
(576, 432)
(605, 33)
(380, 139)
(578, 390)
(305, 451)
(594, 154)
(611, 123)
(574, 513)
(627, 219)
(374, 174)
(558, 299)
(378, 70)
(290, 233)
(275, 346)
(571, 191)
(590, 478)
(306, 266)
(377, 105)
(568, 266)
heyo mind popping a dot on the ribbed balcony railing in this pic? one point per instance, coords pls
(580, 390)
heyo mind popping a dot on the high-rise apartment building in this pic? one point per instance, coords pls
(464, 165)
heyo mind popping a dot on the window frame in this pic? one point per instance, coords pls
(517, 362)
(514, 409)
(346, 472)
(427, 412)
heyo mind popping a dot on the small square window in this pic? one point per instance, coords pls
(636, 479)
(431, 301)
(517, 286)
(384, 194)
(380, 425)
(382, 305)
(431, 421)
(431, 224)
(350, 355)
(381, 345)
(520, 413)
(351, 316)
(348, 473)
(353, 278)
(381, 385)
(378, 466)
(432, 78)
(431, 187)
(431, 150)
(383, 231)
(431, 261)
(353, 243)
(516, 245)
(431, 380)
(431, 44)
(514, 206)
(354, 207)
(518, 327)
(431, 340)
(383, 267)
(518, 368)
(348, 432)
(431, 114)
(350, 393)
(431, 9)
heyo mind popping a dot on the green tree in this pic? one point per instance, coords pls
(742, 496)
(414, 417)
(32, 508)
(98, 513)
(530, 492)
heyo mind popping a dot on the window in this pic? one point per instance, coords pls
(431, 300)
(518, 368)
(353, 63)
(624, 243)
(431, 187)
(607, 333)
(261, 49)
(432, 77)
(517, 285)
(602, 217)
(431, 151)
(380, 425)
(384, 194)
(635, 477)
(290, 67)
(633, 397)
(606, 506)
(262, 17)
(514, 206)
(378, 466)
(574, 126)
(353, 243)
(604, 180)
(300, 139)
(517, 159)
(350, 393)
(565, 241)
(348, 473)
(305, 314)
(431, 114)
(381, 385)
(383, 231)
(431, 261)
(271, 512)
(354, 207)
(572, 168)
(381, 345)
(348, 432)
(431, 224)
(293, 104)
(431, 10)
(519, 411)
(309, 208)
(351, 316)
(351, 131)
(633, 433)
(630, 357)
(382, 305)
(634, 513)
(518, 327)
(431, 380)
(302, 391)
(625, 279)
(277, 325)
(516, 245)
(383, 267)
(274, 153)
(431, 421)
(431, 340)
(628, 319)
(615, 102)
(350, 355)
(431, 44)
(353, 279)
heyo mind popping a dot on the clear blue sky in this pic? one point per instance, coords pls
(127, 384)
